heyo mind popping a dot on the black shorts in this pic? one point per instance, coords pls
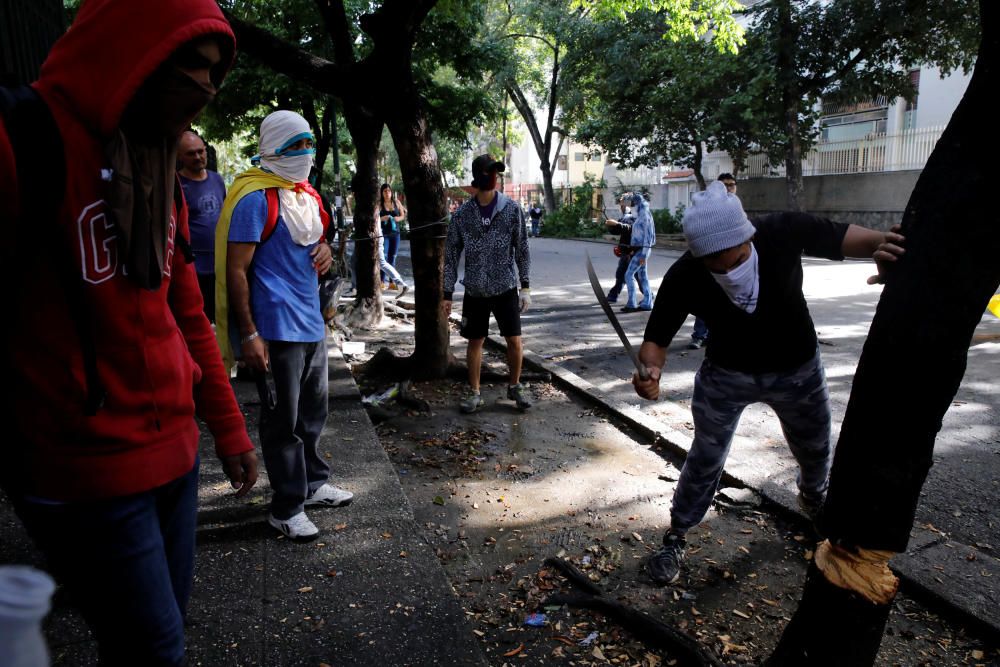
(476, 315)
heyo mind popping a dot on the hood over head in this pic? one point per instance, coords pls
(113, 46)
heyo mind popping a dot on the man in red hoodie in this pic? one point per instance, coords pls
(107, 343)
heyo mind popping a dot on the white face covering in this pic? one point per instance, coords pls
(294, 168)
(742, 284)
(300, 212)
(278, 132)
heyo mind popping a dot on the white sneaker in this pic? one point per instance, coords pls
(298, 528)
(329, 495)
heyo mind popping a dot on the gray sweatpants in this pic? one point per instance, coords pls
(802, 402)
(289, 431)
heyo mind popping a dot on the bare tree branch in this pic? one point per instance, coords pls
(521, 102)
(515, 35)
(339, 80)
(339, 28)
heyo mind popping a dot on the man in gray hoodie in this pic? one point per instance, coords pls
(489, 227)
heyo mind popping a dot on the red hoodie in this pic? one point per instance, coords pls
(156, 353)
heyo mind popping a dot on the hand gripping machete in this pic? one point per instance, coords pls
(603, 300)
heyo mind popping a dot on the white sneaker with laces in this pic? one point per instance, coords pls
(298, 528)
(329, 495)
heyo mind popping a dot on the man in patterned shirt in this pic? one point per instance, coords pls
(489, 227)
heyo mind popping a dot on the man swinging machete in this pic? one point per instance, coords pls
(744, 279)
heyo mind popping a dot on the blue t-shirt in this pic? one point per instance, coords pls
(284, 289)
(204, 200)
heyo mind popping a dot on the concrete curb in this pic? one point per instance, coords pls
(943, 573)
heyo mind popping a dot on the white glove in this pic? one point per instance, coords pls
(525, 299)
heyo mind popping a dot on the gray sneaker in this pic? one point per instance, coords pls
(664, 566)
(812, 506)
(471, 403)
(519, 394)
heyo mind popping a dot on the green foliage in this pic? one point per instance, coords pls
(447, 68)
(579, 218)
(684, 20)
(667, 222)
(635, 87)
(848, 50)
(647, 101)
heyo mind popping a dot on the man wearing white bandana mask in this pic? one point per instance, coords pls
(270, 235)
(744, 279)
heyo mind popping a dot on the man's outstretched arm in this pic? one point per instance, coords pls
(884, 247)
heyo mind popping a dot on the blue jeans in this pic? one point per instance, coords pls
(391, 248)
(638, 273)
(799, 397)
(623, 263)
(387, 266)
(534, 227)
(128, 563)
(700, 330)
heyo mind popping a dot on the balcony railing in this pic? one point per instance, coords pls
(836, 108)
(905, 150)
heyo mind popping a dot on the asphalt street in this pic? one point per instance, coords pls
(567, 326)
(954, 549)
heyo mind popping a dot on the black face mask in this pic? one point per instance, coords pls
(166, 104)
(487, 181)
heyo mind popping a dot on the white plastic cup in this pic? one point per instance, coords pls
(25, 599)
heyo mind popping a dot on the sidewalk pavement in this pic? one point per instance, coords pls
(369, 591)
(940, 571)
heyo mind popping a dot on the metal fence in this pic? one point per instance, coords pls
(904, 150)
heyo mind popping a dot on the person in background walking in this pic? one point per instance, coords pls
(391, 215)
(204, 192)
(623, 227)
(536, 213)
(641, 245)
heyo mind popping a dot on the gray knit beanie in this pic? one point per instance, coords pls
(715, 221)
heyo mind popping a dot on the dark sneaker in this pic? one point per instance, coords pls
(630, 309)
(612, 297)
(664, 566)
(696, 344)
(471, 403)
(519, 395)
(812, 505)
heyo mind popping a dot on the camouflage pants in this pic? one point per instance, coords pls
(802, 402)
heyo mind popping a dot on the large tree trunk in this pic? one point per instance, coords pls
(790, 101)
(542, 141)
(425, 196)
(366, 133)
(912, 364)
(793, 162)
(547, 190)
(697, 163)
(326, 137)
(393, 27)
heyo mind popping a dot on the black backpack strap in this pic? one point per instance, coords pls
(41, 180)
(183, 243)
